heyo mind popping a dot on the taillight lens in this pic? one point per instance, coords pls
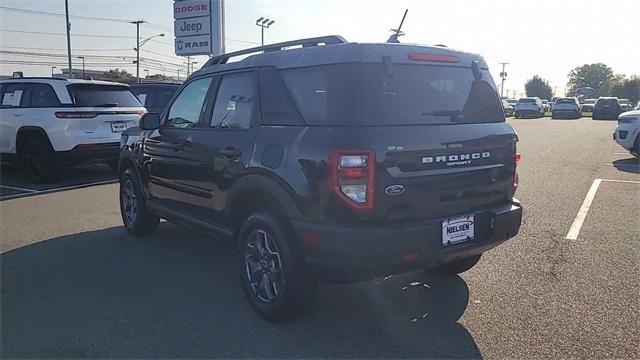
(76, 114)
(352, 178)
(516, 178)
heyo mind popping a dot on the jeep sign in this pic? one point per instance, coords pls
(198, 27)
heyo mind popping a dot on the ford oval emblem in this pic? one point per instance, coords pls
(394, 189)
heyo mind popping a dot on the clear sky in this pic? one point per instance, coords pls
(542, 37)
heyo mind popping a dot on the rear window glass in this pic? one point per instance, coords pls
(396, 94)
(527, 100)
(91, 95)
(565, 101)
(154, 96)
(602, 102)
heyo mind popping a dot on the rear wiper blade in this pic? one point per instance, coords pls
(106, 105)
(443, 113)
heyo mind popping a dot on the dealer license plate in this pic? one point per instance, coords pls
(118, 126)
(457, 230)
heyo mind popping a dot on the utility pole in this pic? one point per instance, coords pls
(263, 24)
(188, 64)
(178, 74)
(137, 23)
(53, 67)
(82, 57)
(66, 11)
(503, 75)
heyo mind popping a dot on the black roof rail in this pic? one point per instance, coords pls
(326, 40)
(36, 78)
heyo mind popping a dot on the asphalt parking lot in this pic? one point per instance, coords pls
(74, 284)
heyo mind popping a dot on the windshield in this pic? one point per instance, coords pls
(94, 95)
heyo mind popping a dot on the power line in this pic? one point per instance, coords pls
(61, 49)
(35, 12)
(63, 34)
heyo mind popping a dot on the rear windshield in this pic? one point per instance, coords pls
(154, 96)
(93, 95)
(609, 102)
(527, 100)
(565, 101)
(394, 94)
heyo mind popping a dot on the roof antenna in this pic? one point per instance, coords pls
(398, 32)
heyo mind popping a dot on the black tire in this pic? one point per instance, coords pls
(553, 116)
(458, 266)
(635, 151)
(267, 251)
(137, 218)
(37, 160)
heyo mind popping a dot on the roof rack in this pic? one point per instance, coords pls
(326, 40)
(36, 78)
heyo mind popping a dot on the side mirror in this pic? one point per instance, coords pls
(150, 121)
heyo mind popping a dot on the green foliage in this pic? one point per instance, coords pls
(598, 76)
(537, 86)
(626, 88)
(118, 74)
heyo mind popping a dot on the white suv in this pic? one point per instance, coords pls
(627, 133)
(47, 122)
(566, 107)
(529, 107)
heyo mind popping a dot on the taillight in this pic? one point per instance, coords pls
(141, 112)
(433, 57)
(352, 178)
(516, 179)
(76, 114)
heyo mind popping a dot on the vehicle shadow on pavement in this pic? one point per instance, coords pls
(631, 165)
(176, 294)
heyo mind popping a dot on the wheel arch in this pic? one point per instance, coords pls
(27, 132)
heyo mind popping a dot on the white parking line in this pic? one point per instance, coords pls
(17, 188)
(72, 187)
(574, 230)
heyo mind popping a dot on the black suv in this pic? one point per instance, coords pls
(327, 160)
(606, 108)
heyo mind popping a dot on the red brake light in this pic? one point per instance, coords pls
(352, 178)
(433, 58)
(76, 114)
(516, 178)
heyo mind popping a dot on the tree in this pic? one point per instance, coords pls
(118, 74)
(537, 86)
(598, 76)
(624, 88)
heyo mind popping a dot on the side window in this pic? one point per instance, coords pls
(43, 95)
(14, 95)
(235, 102)
(186, 109)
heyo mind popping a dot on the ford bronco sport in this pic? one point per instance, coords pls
(328, 160)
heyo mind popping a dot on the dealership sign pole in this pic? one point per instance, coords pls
(199, 27)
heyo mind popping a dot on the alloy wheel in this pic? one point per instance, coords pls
(263, 266)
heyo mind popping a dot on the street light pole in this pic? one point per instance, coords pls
(503, 75)
(53, 67)
(82, 57)
(66, 11)
(137, 23)
(263, 24)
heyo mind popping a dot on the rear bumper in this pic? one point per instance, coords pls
(527, 113)
(344, 254)
(566, 113)
(90, 153)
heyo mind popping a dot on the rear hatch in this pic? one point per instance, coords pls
(440, 134)
(105, 110)
(436, 128)
(527, 105)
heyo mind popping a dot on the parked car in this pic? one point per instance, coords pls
(546, 105)
(566, 107)
(627, 132)
(49, 122)
(637, 106)
(625, 105)
(529, 107)
(512, 102)
(324, 163)
(508, 108)
(606, 108)
(588, 104)
(155, 96)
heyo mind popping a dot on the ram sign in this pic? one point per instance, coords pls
(198, 27)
